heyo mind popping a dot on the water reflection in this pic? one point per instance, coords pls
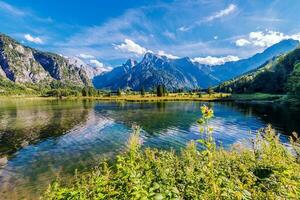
(25, 122)
(284, 119)
(43, 139)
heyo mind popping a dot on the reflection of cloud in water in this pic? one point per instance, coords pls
(96, 129)
(37, 165)
(23, 125)
(172, 137)
(86, 131)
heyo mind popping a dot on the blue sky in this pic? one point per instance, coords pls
(208, 31)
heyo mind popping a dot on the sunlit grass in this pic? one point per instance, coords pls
(169, 97)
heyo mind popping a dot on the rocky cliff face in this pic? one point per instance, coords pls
(22, 64)
(91, 71)
(182, 73)
(112, 79)
(155, 70)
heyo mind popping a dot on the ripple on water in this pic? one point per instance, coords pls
(76, 135)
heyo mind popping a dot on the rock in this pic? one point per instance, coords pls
(22, 64)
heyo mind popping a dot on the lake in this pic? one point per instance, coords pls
(43, 139)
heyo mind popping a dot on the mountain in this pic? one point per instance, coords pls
(112, 79)
(91, 71)
(182, 73)
(278, 75)
(230, 70)
(152, 71)
(25, 65)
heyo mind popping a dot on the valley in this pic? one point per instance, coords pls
(142, 100)
(29, 72)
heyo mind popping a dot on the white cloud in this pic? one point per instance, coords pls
(265, 19)
(210, 60)
(222, 13)
(108, 68)
(265, 38)
(169, 35)
(100, 66)
(242, 42)
(10, 9)
(22, 13)
(216, 37)
(86, 56)
(131, 46)
(36, 40)
(96, 63)
(184, 28)
(162, 53)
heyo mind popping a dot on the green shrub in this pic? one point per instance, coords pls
(265, 170)
(62, 93)
(119, 92)
(143, 91)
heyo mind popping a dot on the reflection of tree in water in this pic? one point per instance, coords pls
(154, 117)
(282, 117)
(159, 116)
(21, 125)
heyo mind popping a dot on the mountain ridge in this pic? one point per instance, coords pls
(279, 75)
(240, 67)
(182, 73)
(154, 70)
(90, 70)
(26, 65)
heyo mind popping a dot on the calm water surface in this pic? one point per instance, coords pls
(43, 139)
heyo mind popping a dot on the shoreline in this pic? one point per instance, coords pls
(218, 97)
(130, 98)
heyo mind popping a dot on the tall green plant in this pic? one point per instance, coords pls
(207, 115)
(266, 171)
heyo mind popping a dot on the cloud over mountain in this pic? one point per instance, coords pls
(130, 46)
(265, 38)
(210, 60)
(162, 53)
(86, 56)
(36, 40)
(96, 63)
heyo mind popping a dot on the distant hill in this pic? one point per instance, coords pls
(230, 70)
(31, 68)
(278, 75)
(182, 73)
(27, 66)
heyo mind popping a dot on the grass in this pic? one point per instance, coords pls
(138, 97)
(256, 97)
(291, 100)
(169, 97)
(265, 170)
(176, 97)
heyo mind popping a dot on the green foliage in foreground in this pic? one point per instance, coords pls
(267, 170)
